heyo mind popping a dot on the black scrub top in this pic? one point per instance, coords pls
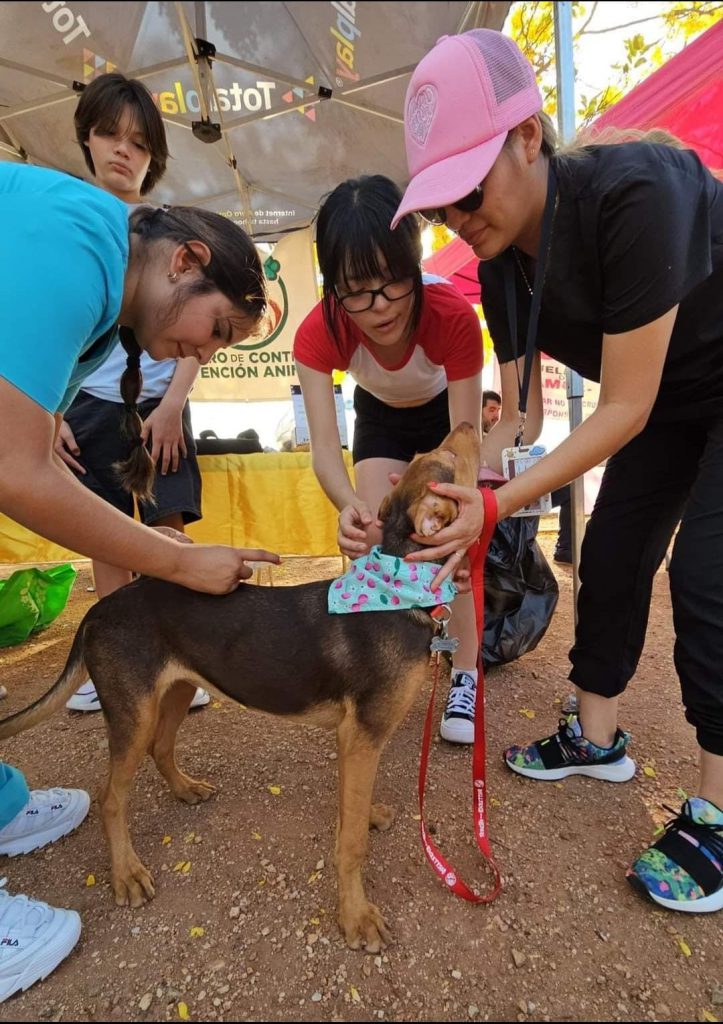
(638, 229)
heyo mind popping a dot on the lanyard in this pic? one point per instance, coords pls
(536, 300)
(479, 783)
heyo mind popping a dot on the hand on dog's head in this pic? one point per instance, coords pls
(411, 507)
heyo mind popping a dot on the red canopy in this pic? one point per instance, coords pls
(685, 96)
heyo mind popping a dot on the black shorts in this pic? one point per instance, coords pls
(383, 432)
(96, 424)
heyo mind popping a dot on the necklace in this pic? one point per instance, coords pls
(522, 269)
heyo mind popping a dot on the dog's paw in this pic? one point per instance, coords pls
(133, 886)
(193, 791)
(381, 816)
(365, 929)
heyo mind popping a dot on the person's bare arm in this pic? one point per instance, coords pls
(165, 425)
(632, 366)
(465, 402)
(328, 461)
(37, 491)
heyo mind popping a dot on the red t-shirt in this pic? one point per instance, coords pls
(446, 346)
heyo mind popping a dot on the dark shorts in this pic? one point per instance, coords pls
(96, 425)
(383, 432)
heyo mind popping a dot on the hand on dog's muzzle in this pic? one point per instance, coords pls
(454, 539)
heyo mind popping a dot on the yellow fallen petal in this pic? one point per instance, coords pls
(216, 704)
(527, 712)
(166, 840)
(274, 790)
(183, 1011)
(495, 802)
(261, 883)
(416, 817)
(707, 1015)
(186, 868)
(314, 920)
(241, 707)
(256, 835)
(650, 772)
(354, 993)
(197, 932)
(558, 785)
(314, 877)
(90, 880)
(190, 837)
(684, 947)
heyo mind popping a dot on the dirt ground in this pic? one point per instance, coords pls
(243, 923)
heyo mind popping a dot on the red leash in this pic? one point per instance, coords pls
(439, 864)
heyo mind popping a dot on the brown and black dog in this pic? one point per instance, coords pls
(147, 646)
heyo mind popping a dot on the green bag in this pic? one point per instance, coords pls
(30, 599)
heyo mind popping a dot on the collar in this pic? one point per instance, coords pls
(377, 582)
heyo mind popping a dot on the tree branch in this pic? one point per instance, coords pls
(628, 24)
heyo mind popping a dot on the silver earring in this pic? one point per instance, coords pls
(172, 276)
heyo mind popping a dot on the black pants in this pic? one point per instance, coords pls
(670, 472)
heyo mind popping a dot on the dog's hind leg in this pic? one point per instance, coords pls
(128, 741)
(360, 921)
(174, 706)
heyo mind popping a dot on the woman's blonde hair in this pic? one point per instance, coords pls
(610, 136)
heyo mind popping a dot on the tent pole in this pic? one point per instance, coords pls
(575, 387)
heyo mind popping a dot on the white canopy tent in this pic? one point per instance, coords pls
(267, 105)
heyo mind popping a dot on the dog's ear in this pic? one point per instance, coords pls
(385, 507)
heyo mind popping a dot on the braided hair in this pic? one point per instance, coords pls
(234, 269)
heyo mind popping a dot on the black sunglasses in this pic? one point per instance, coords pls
(467, 204)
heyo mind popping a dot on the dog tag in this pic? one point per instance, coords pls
(440, 644)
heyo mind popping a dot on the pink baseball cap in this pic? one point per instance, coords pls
(462, 100)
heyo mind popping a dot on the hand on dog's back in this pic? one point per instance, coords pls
(215, 569)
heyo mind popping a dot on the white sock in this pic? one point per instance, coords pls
(467, 671)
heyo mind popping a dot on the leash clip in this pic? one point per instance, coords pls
(442, 642)
(441, 614)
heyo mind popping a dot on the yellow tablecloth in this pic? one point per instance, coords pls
(270, 500)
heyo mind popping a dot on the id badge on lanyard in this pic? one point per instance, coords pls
(521, 457)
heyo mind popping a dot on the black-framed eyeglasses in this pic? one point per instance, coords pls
(467, 204)
(359, 302)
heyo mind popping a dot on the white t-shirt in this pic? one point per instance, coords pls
(105, 381)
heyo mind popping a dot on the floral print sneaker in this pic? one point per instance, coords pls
(567, 752)
(683, 870)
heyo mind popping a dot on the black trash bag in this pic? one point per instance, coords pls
(521, 592)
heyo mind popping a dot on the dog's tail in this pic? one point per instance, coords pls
(68, 682)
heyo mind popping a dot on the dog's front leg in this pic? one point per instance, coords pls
(358, 758)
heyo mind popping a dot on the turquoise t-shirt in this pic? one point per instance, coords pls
(63, 257)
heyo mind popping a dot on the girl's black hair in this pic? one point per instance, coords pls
(102, 105)
(234, 270)
(354, 240)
